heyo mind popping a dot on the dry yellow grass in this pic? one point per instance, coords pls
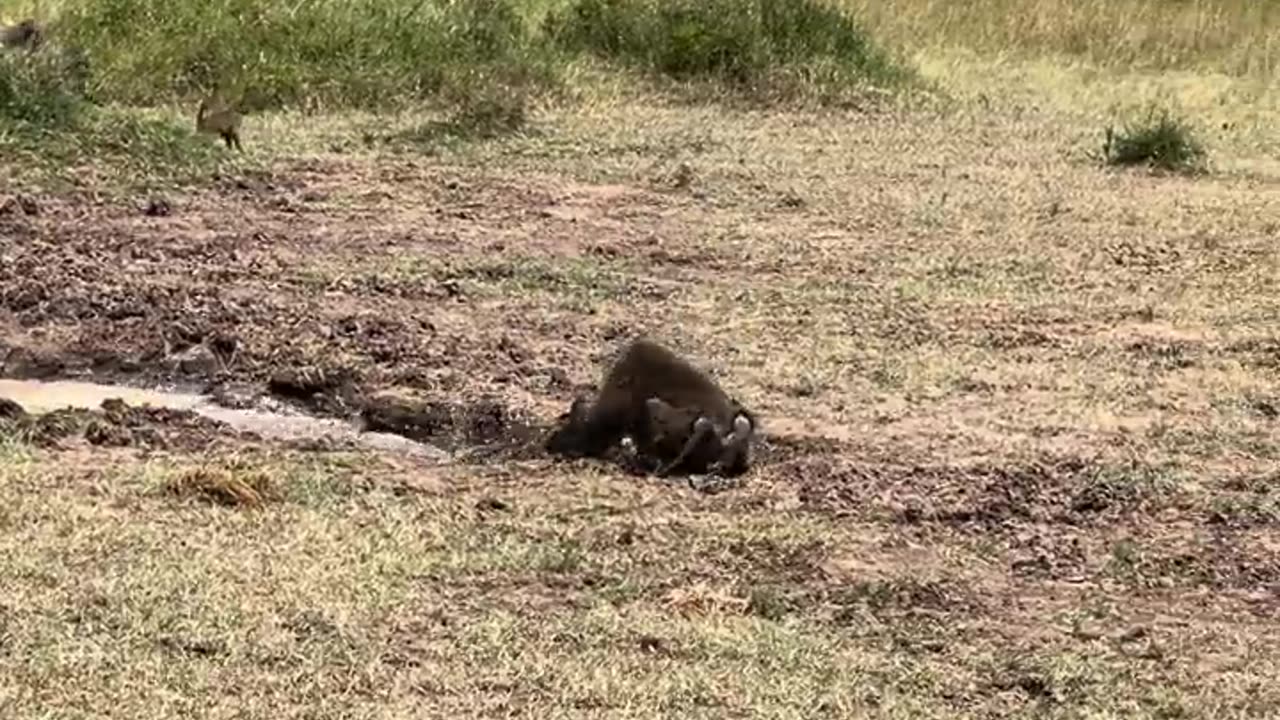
(1235, 37)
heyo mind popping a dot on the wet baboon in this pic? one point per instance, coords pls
(673, 412)
(27, 34)
(217, 117)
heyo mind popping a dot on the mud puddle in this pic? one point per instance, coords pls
(39, 397)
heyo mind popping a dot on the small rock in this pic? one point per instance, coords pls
(25, 204)
(116, 410)
(26, 364)
(157, 207)
(683, 176)
(225, 347)
(1136, 632)
(10, 410)
(193, 646)
(196, 360)
(651, 644)
(235, 396)
(105, 434)
(492, 503)
(791, 200)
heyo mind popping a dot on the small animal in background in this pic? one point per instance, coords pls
(676, 415)
(216, 116)
(26, 34)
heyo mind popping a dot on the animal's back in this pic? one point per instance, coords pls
(649, 369)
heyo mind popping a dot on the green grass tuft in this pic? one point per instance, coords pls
(485, 106)
(346, 53)
(1158, 139)
(746, 44)
(44, 88)
(48, 125)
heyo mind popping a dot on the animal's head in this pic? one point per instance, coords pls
(571, 431)
(715, 449)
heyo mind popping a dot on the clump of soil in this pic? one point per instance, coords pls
(486, 423)
(421, 421)
(333, 391)
(1048, 490)
(50, 429)
(26, 364)
(115, 424)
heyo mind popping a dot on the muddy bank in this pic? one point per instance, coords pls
(235, 289)
(51, 410)
(113, 424)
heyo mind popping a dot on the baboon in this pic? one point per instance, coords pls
(217, 117)
(674, 413)
(27, 33)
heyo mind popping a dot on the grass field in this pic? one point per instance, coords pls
(1020, 407)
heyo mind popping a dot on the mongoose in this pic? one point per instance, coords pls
(674, 412)
(217, 117)
(27, 33)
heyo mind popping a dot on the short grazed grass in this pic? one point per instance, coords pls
(578, 594)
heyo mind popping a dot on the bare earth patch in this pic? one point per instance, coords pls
(1020, 420)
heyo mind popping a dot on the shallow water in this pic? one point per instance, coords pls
(38, 396)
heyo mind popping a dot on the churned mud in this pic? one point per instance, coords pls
(285, 315)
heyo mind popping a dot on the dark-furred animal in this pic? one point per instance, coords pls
(675, 414)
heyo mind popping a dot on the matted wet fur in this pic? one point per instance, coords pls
(676, 414)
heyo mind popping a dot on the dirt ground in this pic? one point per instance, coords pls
(1020, 417)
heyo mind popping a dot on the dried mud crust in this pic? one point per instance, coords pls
(984, 496)
(115, 424)
(219, 291)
